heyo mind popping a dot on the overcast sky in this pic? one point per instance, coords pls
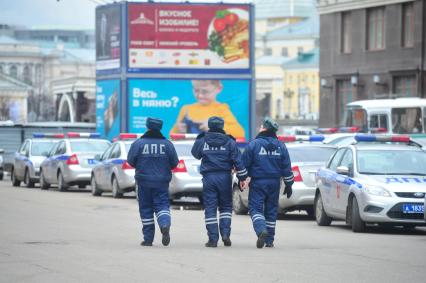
(62, 13)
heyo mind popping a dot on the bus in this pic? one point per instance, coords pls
(393, 116)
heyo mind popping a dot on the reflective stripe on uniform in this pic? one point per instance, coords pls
(257, 217)
(225, 215)
(163, 212)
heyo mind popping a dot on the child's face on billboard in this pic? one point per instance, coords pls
(205, 92)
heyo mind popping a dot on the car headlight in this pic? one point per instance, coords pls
(377, 191)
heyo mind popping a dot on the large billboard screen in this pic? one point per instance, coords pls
(191, 36)
(108, 116)
(185, 105)
(108, 37)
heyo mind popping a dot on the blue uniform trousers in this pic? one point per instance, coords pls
(263, 205)
(217, 192)
(153, 200)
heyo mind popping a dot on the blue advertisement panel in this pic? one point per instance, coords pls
(108, 116)
(185, 105)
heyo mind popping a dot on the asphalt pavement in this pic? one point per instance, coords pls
(51, 236)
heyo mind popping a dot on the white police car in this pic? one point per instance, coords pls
(380, 179)
(71, 160)
(27, 160)
(113, 173)
(307, 155)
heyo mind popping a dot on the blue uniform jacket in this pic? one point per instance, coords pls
(153, 157)
(267, 157)
(218, 153)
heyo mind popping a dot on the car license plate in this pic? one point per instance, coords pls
(92, 161)
(413, 208)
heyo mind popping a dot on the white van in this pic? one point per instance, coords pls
(398, 116)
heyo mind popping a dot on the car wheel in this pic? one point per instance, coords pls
(116, 193)
(310, 211)
(358, 225)
(43, 184)
(320, 215)
(94, 187)
(62, 185)
(15, 181)
(1, 176)
(27, 180)
(409, 227)
(237, 203)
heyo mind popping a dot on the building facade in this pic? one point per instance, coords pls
(369, 49)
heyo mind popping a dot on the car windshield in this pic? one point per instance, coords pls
(310, 153)
(91, 146)
(391, 162)
(40, 147)
(183, 149)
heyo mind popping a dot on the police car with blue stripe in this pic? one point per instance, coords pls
(27, 160)
(380, 179)
(307, 155)
(70, 161)
(113, 173)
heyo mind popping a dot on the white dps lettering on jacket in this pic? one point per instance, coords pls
(154, 149)
(263, 151)
(208, 147)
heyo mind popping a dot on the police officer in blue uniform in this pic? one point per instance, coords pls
(219, 154)
(153, 157)
(267, 161)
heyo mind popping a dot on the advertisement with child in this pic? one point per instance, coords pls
(108, 108)
(186, 105)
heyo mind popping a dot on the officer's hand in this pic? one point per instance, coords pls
(288, 191)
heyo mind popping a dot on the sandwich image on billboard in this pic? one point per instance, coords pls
(108, 108)
(189, 36)
(108, 37)
(186, 105)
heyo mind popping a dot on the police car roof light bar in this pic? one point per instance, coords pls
(350, 129)
(327, 130)
(49, 135)
(312, 138)
(129, 136)
(287, 138)
(83, 135)
(381, 138)
(183, 136)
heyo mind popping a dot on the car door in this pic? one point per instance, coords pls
(330, 183)
(47, 163)
(20, 159)
(56, 160)
(102, 173)
(115, 154)
(343, 182)
(98, 170)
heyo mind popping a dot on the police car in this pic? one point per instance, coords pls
(113, 173)
(378, 179)
(307, 155)
(186, 177)
(71, 160)
(27, 160)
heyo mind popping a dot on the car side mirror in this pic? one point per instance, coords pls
(342, 170)
(45, 154)
(98, 157)
(1, 150)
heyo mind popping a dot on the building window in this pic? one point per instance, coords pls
(27, 75)
(407, 25)
(346, 35)
(268, 51)
(344, 95)
(376, 29)
(1, 69)
(299, 50)
(405, 86)
(284, 51)
(13, 71)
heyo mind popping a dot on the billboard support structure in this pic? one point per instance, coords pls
(155, 67)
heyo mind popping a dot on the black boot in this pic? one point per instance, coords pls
(211, 244)
(270, 245)
(146, 244)
(261, 239)
(166, 235)
(226, 241)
